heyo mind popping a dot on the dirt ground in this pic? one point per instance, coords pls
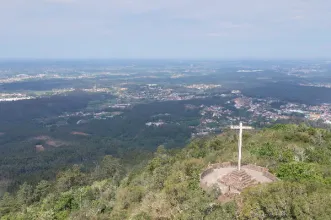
(40, 148)
(50, 141)
(79, 133)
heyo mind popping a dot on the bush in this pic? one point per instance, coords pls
(299, 171)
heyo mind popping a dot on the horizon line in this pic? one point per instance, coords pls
(158, 58)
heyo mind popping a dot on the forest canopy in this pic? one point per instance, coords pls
(167, 186)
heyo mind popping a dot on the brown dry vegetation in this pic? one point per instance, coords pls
(79, 133)
(50, 141)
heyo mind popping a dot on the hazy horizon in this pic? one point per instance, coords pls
(145, 29)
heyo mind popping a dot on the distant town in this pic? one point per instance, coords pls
(131, 85)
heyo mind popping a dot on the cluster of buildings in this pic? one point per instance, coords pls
(311, 112)
(305, 70)
(242, 102)
(324, 85)
(21, 77)
(155, 124)
(249, 71)
(154, 92)
(256, 109)
(212, 117)
(96, 89)
(215, 111)
(120, 106)
(263, 108)
(8, 97)
(203, 86)
(86, 116)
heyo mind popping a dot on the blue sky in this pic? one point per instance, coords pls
(218, 29)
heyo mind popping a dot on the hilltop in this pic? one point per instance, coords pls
(167, 186)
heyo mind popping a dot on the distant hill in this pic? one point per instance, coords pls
(167, 186)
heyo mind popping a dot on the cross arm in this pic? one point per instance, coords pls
(247, 127)
(243, 127)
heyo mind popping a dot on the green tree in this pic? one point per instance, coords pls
(8, 204)
(110, 167)
(299, 171)
(24, 195)
(69, 178)
(41, 190)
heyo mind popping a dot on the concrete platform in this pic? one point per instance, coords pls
(213, 178)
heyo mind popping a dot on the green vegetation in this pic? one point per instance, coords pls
(28, 123)
(167, 187)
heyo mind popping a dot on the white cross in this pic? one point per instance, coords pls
(240, 128)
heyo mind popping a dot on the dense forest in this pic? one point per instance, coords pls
(167, 186)
(291, 92)
(63, 142)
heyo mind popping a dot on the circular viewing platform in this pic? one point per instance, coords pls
(230, 180)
